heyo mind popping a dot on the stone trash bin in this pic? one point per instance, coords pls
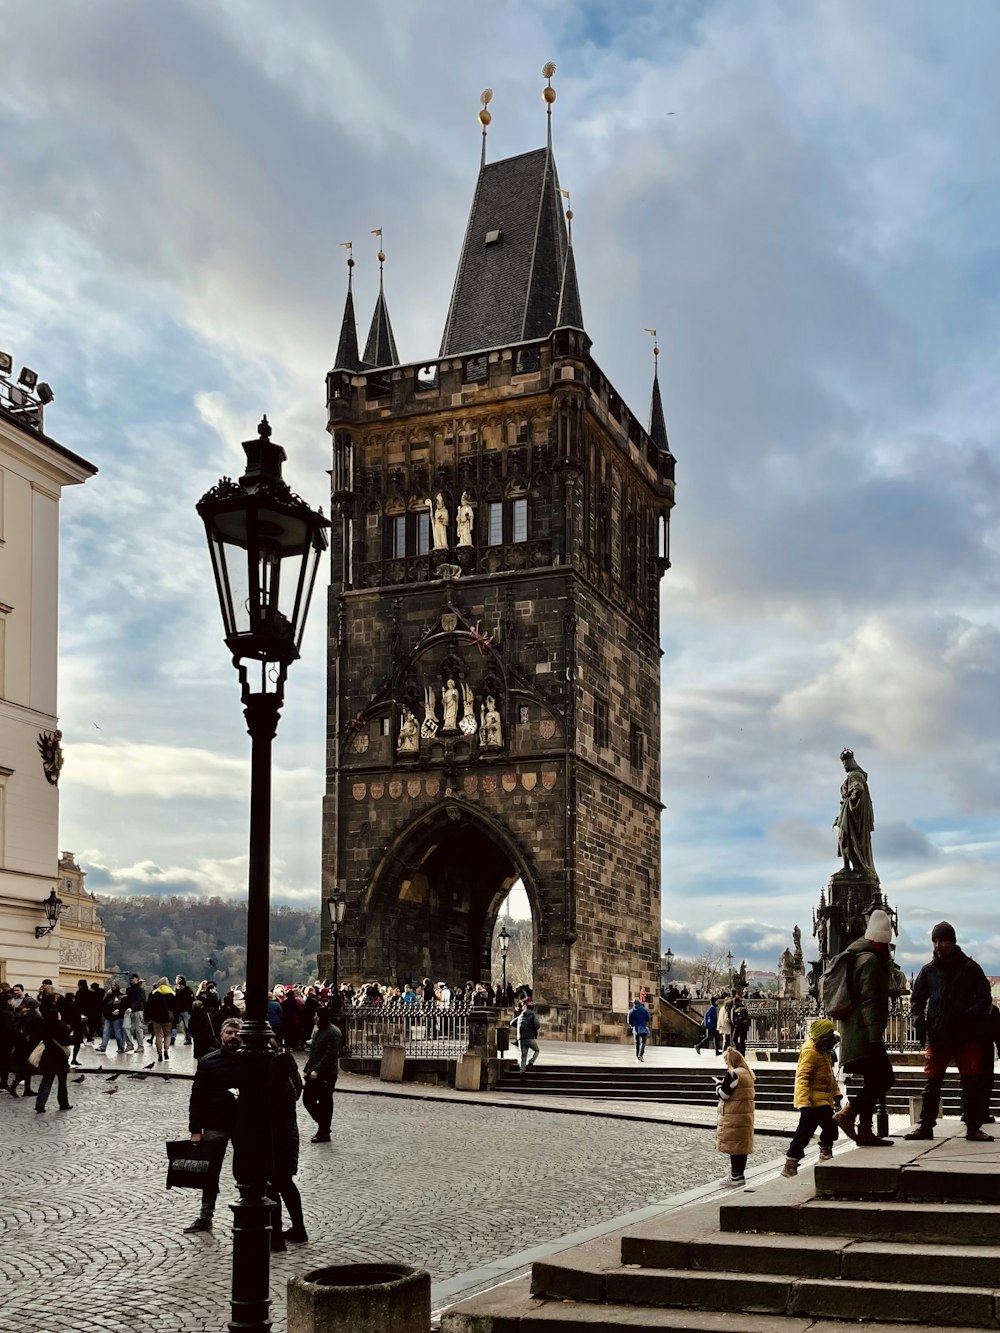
(360, 1298)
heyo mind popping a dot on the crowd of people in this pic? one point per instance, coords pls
(438, 995)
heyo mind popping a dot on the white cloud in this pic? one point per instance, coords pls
(813, 232)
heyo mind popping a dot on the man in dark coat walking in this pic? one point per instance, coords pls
(212, 1110)
(951, 1005)
(321, 1072)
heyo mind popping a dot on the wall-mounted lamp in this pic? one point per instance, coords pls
(53, 905)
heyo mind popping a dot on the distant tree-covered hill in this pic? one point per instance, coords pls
(204, 938)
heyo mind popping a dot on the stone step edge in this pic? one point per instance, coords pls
(511, 1309)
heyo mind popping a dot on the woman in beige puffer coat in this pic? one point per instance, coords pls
(734, 1135)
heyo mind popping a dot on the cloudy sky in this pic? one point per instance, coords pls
(814, 232)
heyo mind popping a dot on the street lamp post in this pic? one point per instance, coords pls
(338, 910)
(729, 964)
(265, 543)
(53, 906)
(503, 939)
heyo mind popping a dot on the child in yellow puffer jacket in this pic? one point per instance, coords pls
(816, 1091)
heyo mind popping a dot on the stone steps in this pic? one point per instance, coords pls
(694, 1087)
(512, 1309)
(894, 1239)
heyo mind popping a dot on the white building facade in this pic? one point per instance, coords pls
(34, 469)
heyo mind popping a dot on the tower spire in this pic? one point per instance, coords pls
(657, 422)
(548, 96)
(486, 97)
(570, 314)
(380, 349)
(347, 348)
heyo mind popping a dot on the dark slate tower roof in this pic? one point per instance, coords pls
(380, 349)
(510, 274)
(348, 357)
(657, 423)
(570, 314)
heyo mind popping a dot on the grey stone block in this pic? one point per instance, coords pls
(759, 1293)
(948, 1306)
(939, 1265)
(796, 1256)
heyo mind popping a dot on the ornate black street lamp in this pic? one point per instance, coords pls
(503, 939)
(53, 905)
(338, 910)
(668, 959)
(729, 964)
(265, 544)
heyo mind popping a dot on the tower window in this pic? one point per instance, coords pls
(399, 537)
(523, 431)
(600, 723)
(496, 522)
(520, 520)
(385, 726)
(636, 745)
(522, 715)
(423, 533)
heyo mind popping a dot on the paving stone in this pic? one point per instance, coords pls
(90, 1239)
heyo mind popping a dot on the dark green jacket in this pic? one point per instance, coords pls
(862, 1032)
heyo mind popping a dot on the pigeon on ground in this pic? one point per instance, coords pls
(109, 1091)
(138, 1077)
(150, 1065)
(111, 1078)
(77, 1080)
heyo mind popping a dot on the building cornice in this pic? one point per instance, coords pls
(42, 452)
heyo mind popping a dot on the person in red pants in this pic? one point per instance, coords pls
(951, 1006)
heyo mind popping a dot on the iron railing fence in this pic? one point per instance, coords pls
(784, 1025)
(423, 1029)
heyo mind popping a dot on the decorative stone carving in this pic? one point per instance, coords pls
(490, 731)
(413, 787)
(378, 789)
(395, 788)
(439, 522)
(464, 520)
(449, 704)
(528, 781)
(360, 742)
(409, 734)
(470, 783)
(797, 941)
(430, 724)
(449, 622)
(359, 790)
(467, 726)
(856, 819)
(547, 728)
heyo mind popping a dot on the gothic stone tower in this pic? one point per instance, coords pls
(501, 527)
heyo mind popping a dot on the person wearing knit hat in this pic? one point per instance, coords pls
(862, 1031)
(816, 1091)
(951, 1006)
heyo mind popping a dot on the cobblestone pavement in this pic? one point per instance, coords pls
(92, 1241)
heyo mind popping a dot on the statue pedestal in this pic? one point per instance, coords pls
(794, 988)
(851, 896)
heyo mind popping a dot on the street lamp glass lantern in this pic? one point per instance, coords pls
(265, 543)
(503, 939)
(338, 910)
(53, 906)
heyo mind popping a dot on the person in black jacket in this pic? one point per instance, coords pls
(212, 1109)
(113, 1010)
(31, 1030)
(321, 1071)
(54, 1063)
(201, 1031)
(951, 1005)
(185, 1000)
(10, 1041)
(135, 1005)
(284, 1090)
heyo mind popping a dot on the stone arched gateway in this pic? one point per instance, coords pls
(434, 896)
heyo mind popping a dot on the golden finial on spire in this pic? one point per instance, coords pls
(656, 352)
(381, 253)
(569, 212)
(486, 97)
(549, 93)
